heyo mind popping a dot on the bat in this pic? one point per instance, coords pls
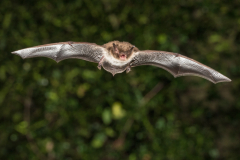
(117, 57)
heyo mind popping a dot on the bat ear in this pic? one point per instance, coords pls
(132, 48)
(115, 48)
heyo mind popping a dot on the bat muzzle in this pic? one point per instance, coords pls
(122, 57)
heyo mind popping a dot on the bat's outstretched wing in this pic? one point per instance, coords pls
(64, 50)
(178, 65)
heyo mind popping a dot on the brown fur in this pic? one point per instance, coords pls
(123, 47)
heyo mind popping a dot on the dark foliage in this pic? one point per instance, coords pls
(71, 110)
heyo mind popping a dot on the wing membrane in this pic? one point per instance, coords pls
(178, 65)
(64, 50)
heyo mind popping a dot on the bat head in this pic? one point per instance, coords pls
(121, 50)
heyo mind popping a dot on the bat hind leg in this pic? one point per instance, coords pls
(128, 69)
(100, 63)
(99, 66)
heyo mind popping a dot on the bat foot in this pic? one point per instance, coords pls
(100, 63)
(128, 70)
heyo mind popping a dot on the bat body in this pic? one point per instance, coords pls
(117, 57)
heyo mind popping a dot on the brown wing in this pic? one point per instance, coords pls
(64, 50)
(178, 65)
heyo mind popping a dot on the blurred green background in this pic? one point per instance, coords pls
(72, 110)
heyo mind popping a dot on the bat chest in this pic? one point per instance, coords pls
(113, 68)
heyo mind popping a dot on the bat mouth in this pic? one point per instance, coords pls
(123, 57)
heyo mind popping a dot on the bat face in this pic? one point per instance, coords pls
(117, 57)
(120, 50)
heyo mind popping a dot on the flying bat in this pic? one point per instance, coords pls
(117, 57)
